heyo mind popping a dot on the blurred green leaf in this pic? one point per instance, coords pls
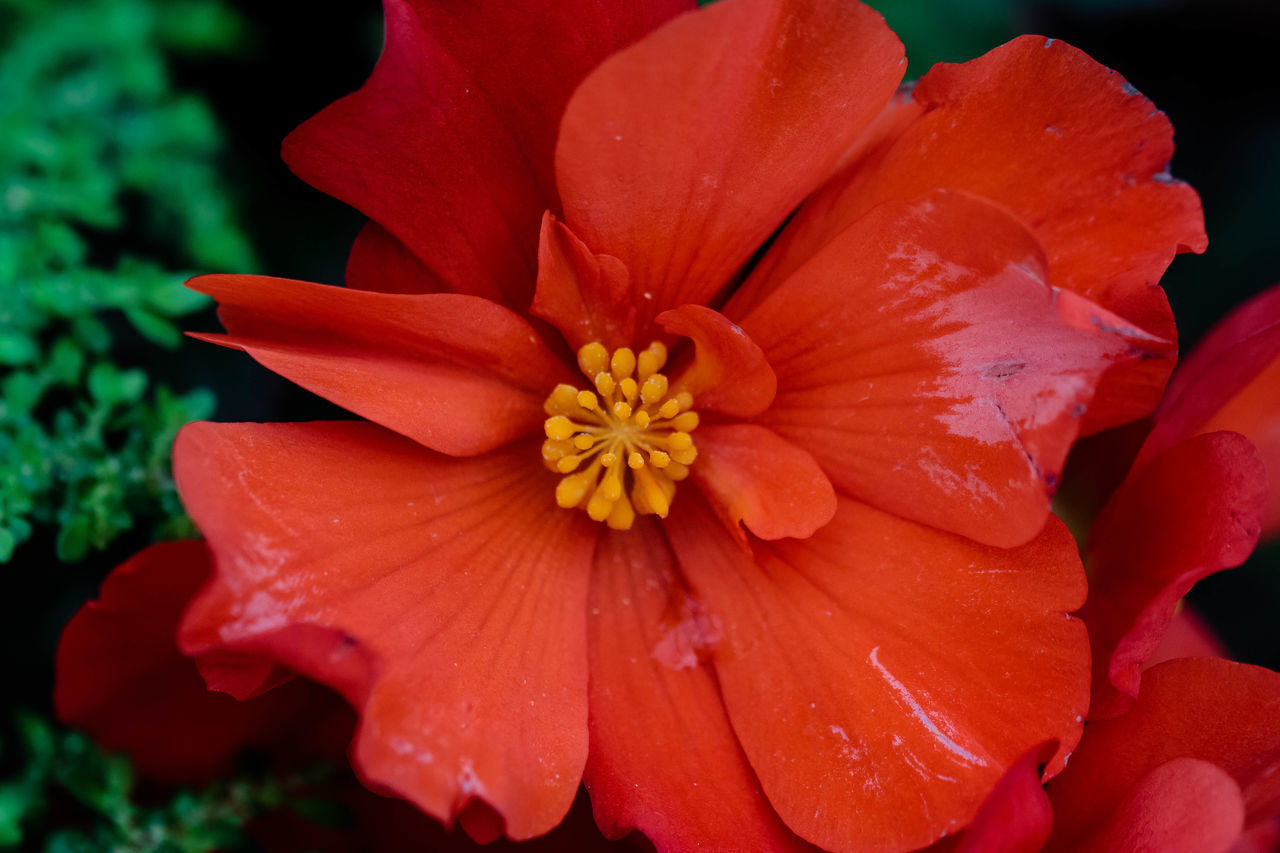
(104, 167)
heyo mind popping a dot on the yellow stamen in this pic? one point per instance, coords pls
(625, 414)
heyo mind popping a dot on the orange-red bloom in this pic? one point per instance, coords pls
(1190, 761)
(850, 619)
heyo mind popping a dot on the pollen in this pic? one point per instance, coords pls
(623, 442)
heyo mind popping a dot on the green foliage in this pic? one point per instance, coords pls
(107, 180)
(98, 809)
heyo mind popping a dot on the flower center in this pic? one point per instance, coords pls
(628, 430)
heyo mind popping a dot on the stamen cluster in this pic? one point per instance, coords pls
(628, 430)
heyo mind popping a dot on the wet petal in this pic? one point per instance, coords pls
(925, 364)
(448, 146)
(663, 758)
(683, 153)
(881, 676)
(1069, 147)
(1192, 511)
(445, 598)
(456, 373)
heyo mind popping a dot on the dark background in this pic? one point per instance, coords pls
(1209, 65)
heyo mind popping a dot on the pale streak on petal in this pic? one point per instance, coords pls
(920, 714)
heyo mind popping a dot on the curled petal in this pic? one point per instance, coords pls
(1192, 511)
(681, 154)
(445, 598)
(729, 373)
(584, 295)
(456, 373)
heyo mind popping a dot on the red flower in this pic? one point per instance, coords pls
(1190, 761)
(884, 401)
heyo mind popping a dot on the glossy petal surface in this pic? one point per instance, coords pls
(444, 597)
(881, 675)
(121, 678)
(729, 372)
(1071, 149)
(664, 759)
(448, 145)
(681, 154)
(1191, 511)
(1016, 816)
(456, 373)
(755, 477)
(925, 364)
(1204, 708)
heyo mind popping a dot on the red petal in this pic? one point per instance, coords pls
(584, 295)
(449, 143)
(1069, 147)
(444, 597)
(881, 675)
(1015, 817)
(757, 478)
(1255, 413)
(1230, 360)
(1214, 710)
(1182, 806)
(1190, 512)
(729, 373)
(683, 153)
(121, 678)
(456, 373)
(926, 366)
(663, 758)
(380, 262)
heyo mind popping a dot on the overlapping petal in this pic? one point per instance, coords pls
(755, 477)
(1016, 816)
(681, 154)
(444, 597)
(881, 675)
(664, 759)
(448, 145)
(456, 373)
(926, 365)
(728, 372)
(1072, 150)
(586, 296)
(1191, 511)
(121, 678)
(380, 262)
(1207, 709)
